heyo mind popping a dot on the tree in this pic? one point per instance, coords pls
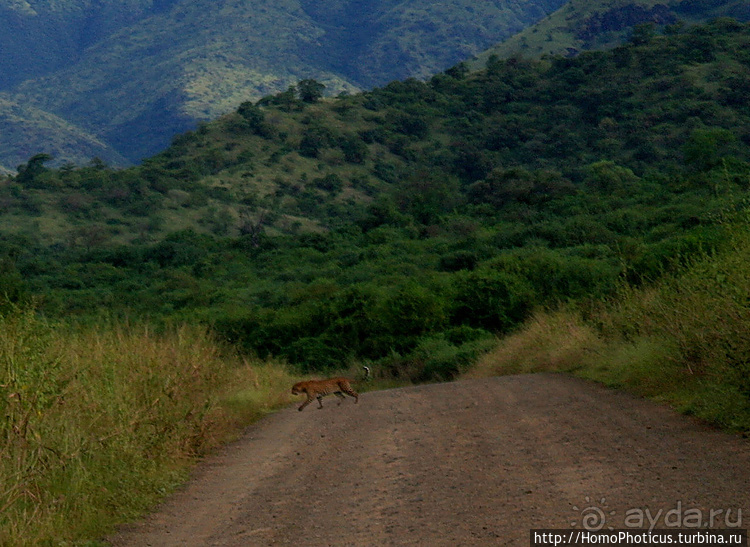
(13, 287)
(410, 311)
(310, 90)
(459, 71)
(427, 195)
(28, 172)
(251, 113)
(504, 187)
(642, 34)
(286, 100)
(314, 139)
(253, 228)
(496, 301)
(706, 147)
(330, 183)
(354, 148)
(254, 119)
(607, 176)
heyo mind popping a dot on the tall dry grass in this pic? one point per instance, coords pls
(551, 341)
(683, 340)
(97, 423)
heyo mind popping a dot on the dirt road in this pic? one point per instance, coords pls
(477, 462)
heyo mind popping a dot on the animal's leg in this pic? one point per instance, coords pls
(320, 401)
(339, 395)
(352, 393)
(303, 405)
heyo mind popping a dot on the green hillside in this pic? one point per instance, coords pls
(582, 25)
(130, 75)
(412, 223)
(136, 84)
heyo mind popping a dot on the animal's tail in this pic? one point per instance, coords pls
(367, 374)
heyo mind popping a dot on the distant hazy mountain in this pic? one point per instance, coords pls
(133, 73)
(25, 127)
(40, 36)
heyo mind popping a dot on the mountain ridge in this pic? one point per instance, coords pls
(582, 25)
(184, 64)
(24, 125)
(134, 75)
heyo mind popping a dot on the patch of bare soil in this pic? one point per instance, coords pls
(478, 462)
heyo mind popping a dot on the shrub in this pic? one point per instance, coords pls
(330, 183)
(458, 260)
(443, 360)
(491, 300)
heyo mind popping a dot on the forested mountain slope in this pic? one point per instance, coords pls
(582, 25)
(134, 74)
(408, 223)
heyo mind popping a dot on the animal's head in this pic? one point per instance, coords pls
(297, 388)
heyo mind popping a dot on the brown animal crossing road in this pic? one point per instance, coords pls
(476, 462)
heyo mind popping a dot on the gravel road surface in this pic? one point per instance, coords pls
(476, 462)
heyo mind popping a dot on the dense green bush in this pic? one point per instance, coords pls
(491, 300)
(419, 214)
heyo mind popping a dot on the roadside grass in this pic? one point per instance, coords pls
(99, 423)
(682, 340)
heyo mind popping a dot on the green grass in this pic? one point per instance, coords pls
(101, 422)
